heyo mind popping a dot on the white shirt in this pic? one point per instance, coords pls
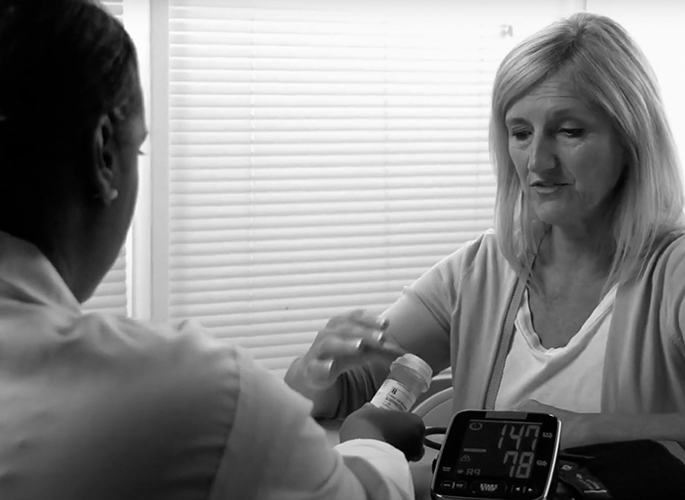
(568, 377)
(107, 408)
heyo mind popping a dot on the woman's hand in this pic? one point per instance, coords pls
(573, 425)
(346, 341)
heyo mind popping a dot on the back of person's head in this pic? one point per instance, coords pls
(610, 73)
(71, 125)
(63, 64)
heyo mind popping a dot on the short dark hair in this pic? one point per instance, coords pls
(63, 64)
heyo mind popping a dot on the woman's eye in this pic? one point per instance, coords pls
(520, 135)
(571, 132)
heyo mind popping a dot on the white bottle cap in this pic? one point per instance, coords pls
(418, 365)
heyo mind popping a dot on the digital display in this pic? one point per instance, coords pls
(503, 449)
(497, 454)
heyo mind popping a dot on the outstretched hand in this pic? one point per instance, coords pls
(347, 340)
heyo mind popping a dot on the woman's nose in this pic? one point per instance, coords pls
(542, 155)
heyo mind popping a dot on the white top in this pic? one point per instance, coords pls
(107, 408)
(568, 377)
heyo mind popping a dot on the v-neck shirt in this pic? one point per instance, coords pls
(568, 377)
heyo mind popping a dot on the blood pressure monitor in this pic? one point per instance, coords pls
(497, 455)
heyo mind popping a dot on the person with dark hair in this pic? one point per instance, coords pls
(575, 304)
(102, 407)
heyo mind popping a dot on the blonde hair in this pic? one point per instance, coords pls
(611, 73)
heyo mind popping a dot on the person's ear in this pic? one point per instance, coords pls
(104, 165)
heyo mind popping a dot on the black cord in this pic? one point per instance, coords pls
(431, 431)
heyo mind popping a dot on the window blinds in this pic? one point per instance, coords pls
(323, 155)
(111, 295)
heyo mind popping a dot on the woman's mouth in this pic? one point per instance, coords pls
(547, 187)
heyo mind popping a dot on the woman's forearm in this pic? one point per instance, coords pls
(611, 427)
(581, 429)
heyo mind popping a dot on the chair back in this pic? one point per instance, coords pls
(436, 410)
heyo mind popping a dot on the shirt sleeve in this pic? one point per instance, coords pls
(380, 467)
(276, 451)
(421, 319)
(420, 323)
(436, 290)
(673, 301)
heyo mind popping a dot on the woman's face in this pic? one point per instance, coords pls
(566, 154)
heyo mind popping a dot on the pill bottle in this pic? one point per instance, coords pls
(409, 377)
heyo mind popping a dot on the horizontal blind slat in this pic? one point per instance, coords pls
(419, 172)
(188, 127)
(271, 250)
(320, 160)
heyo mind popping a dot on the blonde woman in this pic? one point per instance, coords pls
(575, 303)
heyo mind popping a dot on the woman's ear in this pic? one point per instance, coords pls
(103, 166)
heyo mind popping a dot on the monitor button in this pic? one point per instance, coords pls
(447, 485)
(518, 488)
(453, 486)
(493, 488)
(523, 489)
(460, 486)
(529, 490)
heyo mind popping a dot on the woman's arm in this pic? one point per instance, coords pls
(418, 322)
(608, 427)
(415, 328)
(411, 328)
(581, 429)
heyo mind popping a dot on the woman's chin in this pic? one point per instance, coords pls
(554, 216)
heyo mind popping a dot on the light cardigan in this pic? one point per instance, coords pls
(466, 297)
(644, 369)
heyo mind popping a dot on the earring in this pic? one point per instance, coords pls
(113, 195)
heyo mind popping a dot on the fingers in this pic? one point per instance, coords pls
(319, 373)
(361, 325)
(339, 355)
(347, 340)
(355, 347)
(365, 320)
(334, 355)
(356, 324)
(346, 353)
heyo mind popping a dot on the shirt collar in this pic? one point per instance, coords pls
(32, 277)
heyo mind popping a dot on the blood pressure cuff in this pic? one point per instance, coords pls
(628, 470)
